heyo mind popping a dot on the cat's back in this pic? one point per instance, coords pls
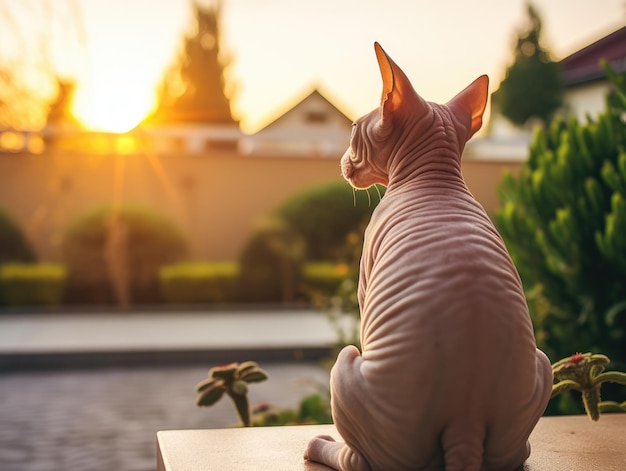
(430, 222)
(428, 253)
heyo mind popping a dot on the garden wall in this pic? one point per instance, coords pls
(215, 198)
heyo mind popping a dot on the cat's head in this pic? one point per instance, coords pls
(405, 126)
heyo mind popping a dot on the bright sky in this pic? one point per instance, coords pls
(281, 49)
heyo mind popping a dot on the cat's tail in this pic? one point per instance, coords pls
(346, 398)
(463, 448)
(513, 447)
(464, 442)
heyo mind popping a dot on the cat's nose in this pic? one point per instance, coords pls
(346, 164)
(348, 154)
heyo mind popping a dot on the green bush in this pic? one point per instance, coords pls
(325, 214)
(271, 264)
(13, 245)
(24, 284)
(117, 255)
(213, 282)
(564, 222)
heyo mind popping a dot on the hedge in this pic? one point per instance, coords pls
(199, 282)
(325, 276)
(219, 282)
(23, 284)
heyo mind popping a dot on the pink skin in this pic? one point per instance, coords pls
(449, 376)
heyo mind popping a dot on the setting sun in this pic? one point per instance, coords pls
(128, 46)
(113, 106)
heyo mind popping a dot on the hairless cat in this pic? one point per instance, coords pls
(449, 376)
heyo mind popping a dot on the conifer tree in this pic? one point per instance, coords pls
(532, 87)
(59, 111)
(194, 88)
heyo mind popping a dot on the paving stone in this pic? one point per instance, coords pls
(108, 419)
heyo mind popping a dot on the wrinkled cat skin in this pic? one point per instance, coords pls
(449, 376)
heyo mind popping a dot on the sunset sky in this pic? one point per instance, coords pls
(280, 49)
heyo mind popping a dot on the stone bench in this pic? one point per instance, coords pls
(571, 443)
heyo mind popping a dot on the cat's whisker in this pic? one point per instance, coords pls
(380, 197)
(369, 198)
(354, 196)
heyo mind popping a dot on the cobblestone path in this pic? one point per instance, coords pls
(107, 419)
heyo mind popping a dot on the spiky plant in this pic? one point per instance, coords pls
(563, 220)
(584, 372)
(233, 380)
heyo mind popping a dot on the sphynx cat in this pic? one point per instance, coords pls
(449, 376)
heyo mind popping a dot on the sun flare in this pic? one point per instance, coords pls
(113, 106)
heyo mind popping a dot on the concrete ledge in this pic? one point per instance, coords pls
(55, 340)
(146, 358)
(571, 443)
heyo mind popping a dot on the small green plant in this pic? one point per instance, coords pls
(584, 372)
(233, 380)
(313, 409)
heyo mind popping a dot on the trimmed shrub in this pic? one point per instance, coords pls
(325, 214)
(31, 284)
(202, 282)
(13, 245)
(117, 256)
(325, 277)
(271, 264)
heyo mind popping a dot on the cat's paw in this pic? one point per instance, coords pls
(317, 449)
(336, 455)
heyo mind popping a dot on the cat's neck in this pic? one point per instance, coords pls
(438, 166)
(434, 158)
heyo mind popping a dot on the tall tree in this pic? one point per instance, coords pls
(532, 87)
(28, 69)
(60, 111)
(194, 89)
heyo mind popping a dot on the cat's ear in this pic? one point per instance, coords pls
(472, 102)
(398, 93)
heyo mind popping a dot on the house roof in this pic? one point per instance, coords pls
(314, 126)
(303, 107)
(583, 66)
